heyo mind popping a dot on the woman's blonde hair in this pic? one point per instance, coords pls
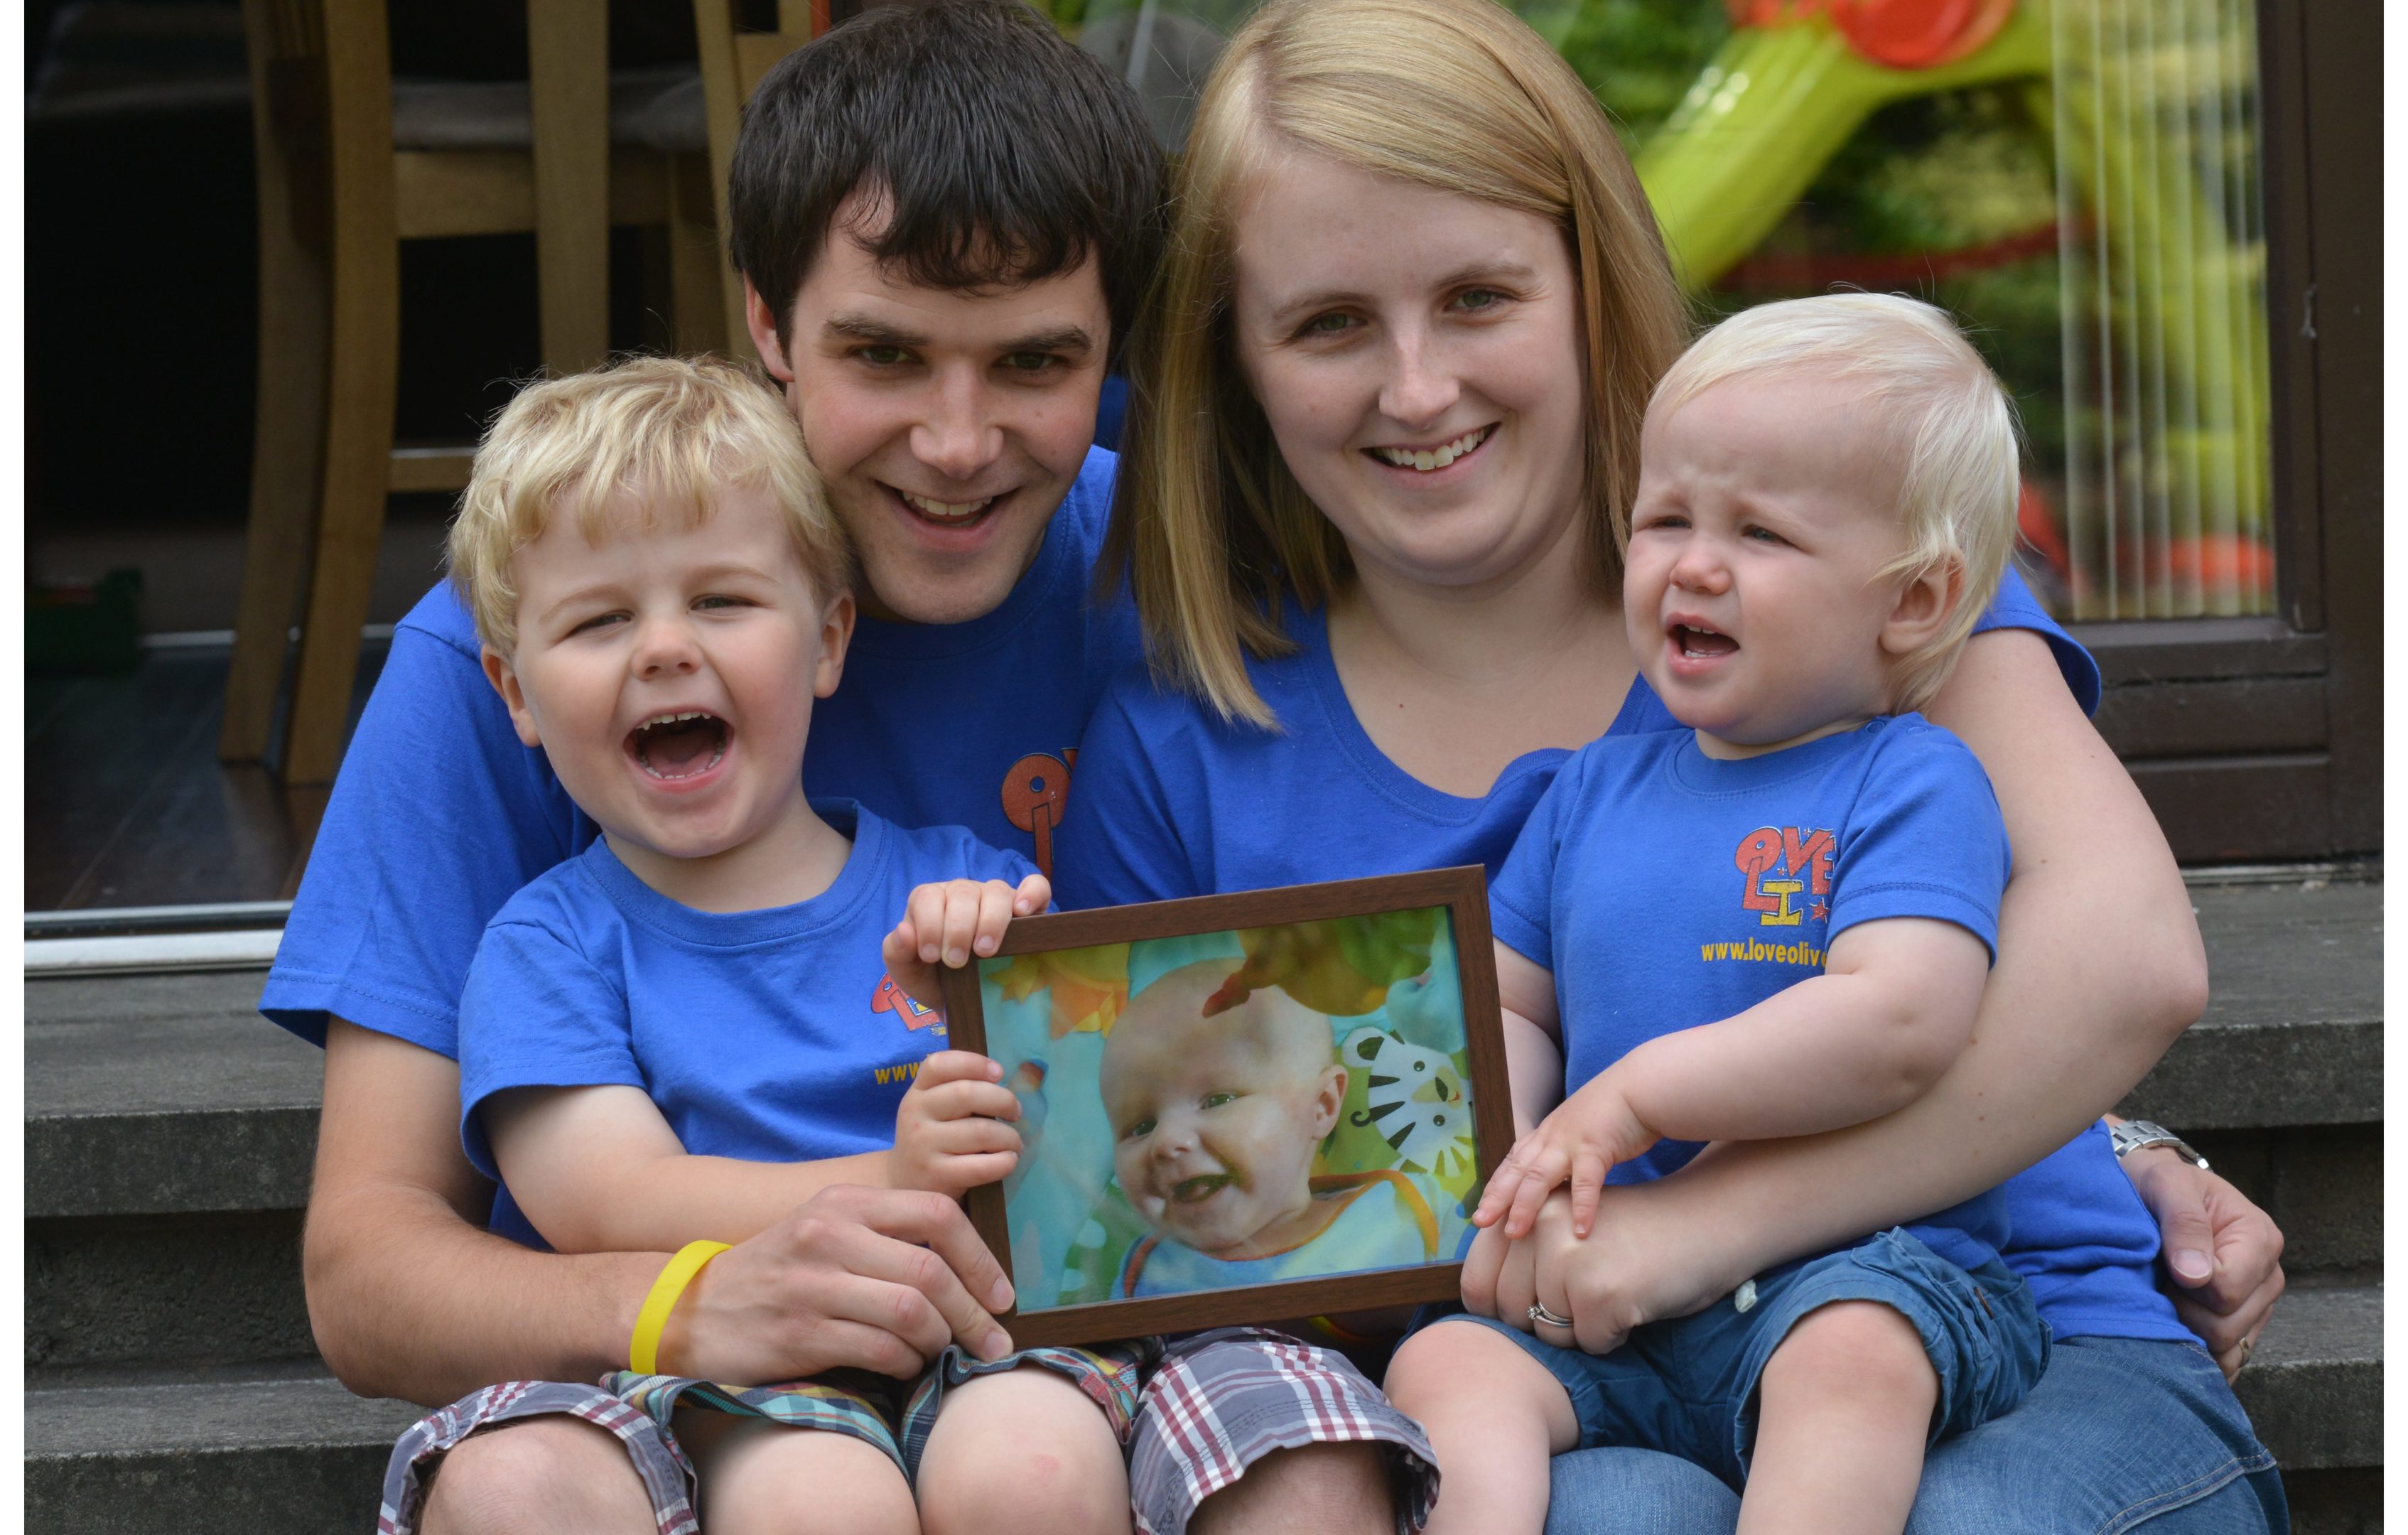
(1950, 434)
(1457, 95)
(666, 434)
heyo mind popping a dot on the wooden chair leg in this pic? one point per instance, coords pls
(698, 271)
(364, 358)
(723, 99)
(290, 418)
(569, 70)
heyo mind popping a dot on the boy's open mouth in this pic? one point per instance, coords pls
(1697, 640)
(679, 745)
(1195, 1191)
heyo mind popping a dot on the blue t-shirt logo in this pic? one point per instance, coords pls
(1035, 789)
(1782, 863)
(890, 997)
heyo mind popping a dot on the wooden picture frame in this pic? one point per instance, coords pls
(1324, 919)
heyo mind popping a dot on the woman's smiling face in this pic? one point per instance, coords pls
(1417, 356)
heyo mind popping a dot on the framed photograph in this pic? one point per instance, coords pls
(1242, 1108)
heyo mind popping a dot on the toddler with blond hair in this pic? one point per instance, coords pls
(1775, 923)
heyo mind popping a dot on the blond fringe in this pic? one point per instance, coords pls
(645, 438)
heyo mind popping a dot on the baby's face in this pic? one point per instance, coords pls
(1216, 1120)
(1753, 587)
(668, 672)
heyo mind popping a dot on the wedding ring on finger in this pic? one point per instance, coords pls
(1539, 1313)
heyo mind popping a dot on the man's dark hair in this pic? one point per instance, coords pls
(1003, 155)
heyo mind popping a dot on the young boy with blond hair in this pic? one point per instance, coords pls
(686, 1031)
(1775, 923)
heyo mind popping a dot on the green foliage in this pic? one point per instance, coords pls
(1637, 56)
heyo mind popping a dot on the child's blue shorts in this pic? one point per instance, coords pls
(1687, 1388)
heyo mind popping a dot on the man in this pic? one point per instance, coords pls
(953, 269)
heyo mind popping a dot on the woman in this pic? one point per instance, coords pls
(1384, 414)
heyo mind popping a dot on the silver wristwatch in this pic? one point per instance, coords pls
(2139, 1134)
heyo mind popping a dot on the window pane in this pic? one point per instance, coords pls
(2077, 180)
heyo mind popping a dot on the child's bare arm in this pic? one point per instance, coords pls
(598, 1169)
(1891, 1012)
(1534, 1058)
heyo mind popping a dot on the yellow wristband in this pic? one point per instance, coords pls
(644, 1344)
(1330, 1328)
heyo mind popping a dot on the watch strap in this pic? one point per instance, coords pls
(2140, 1134)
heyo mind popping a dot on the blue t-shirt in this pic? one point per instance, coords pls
(439, 814)
(1691, 889)
(1175, 802)
(773, 1036)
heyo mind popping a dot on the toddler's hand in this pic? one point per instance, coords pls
(949, 921)
(1582, 1139)
(950, 1133)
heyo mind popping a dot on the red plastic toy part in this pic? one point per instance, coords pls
(1895, 34)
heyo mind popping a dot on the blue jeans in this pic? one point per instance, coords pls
(2119, 1434)
(1689, 1386)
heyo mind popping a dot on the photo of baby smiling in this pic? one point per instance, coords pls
(1221, 1112)
(1233, 1108)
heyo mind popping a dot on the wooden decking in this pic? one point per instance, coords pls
(126, 803)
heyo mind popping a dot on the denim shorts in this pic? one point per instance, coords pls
(2123, 1436)
(1689, 1386)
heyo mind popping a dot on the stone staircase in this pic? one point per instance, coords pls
(171, 1383)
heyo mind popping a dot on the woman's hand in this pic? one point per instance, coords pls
(950, 1131)
(2224, 1255)
(875, 1278)
(1643, 1262)
(947, 921)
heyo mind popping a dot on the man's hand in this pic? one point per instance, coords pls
(947, 921)
(1582, 1139)
(875, 1278)
(950, 1133)
(1639, 1265)
(2224, 1254)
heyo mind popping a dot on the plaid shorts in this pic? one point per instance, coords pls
(1195, 1412)
(638, 1409)
(1223, 1399)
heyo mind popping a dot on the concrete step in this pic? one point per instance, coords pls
(165, 1291)
(2322, 1184)
(268, 1451)
(2314, 1388)
(164, 1095)
(125, 1076)
(219, 1454)
(169, 1131)
(2293, 1033)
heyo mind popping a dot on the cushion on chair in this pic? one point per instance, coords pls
(113, 58)
(655, 109)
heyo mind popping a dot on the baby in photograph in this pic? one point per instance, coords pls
(1220, 1098)
(1776, 922)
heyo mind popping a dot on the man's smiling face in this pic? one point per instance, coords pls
(948, 424)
